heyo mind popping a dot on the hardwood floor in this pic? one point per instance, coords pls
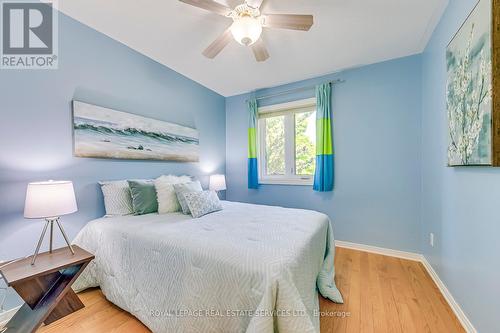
(381, 294)
(386, 294)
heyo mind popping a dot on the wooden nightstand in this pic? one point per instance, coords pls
(45, 287)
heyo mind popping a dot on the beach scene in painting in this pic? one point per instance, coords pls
(469, 87)
(105, 133)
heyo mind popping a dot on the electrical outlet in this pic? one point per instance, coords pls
(431, 239)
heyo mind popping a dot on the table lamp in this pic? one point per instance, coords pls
(217, 183)
(49, 200)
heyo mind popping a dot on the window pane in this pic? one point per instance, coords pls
(275, 145)
(305, 143)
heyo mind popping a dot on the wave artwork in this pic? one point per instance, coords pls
(105, 133)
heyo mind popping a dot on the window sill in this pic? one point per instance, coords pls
(294, 182)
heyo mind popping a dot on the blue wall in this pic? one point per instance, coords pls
(36, 131)
(377, 165)
(392, 186)
(459, 205)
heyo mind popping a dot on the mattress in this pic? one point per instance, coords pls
(247, 268)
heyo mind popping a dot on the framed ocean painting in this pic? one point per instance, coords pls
(105, 133)
(472, 59)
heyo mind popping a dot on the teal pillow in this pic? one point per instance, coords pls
(144, 200)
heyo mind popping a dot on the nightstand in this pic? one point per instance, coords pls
(45, 287)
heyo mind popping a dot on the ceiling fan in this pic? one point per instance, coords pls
(247, 25)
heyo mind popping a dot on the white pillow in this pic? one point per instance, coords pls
(117, 198)
(167, 199)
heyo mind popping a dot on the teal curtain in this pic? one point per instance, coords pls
(324, 173)
(253, 174)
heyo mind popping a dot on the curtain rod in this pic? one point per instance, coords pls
(295, 90)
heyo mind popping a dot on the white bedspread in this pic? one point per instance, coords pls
(247, 268)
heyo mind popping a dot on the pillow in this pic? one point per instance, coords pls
(117, 199)
(143, 196)
(167, 200)
(181, 189)
(202, 203)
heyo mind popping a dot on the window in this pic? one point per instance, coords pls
(287, 143)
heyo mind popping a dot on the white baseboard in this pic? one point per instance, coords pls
(467, 325)
(379, 250)
(7, 315)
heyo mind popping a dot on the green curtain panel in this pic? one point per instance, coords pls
(324, 174)
(253, 174)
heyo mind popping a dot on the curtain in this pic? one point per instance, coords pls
(253, 174)
(324, 174)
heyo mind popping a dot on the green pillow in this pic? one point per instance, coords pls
(144, 200)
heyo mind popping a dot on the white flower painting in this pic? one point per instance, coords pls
(469, 89)
(105, 133)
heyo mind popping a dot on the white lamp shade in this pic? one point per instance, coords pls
(246, 30)
(217, 183)
(49, 199)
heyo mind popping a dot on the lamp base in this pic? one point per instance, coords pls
(50, 222)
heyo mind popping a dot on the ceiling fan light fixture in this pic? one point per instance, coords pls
(246, 30)
(247, 25)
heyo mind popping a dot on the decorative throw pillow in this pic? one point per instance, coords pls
(143, 194)
(117, 199)
(167, 200)
(181, 189)
(202, 203)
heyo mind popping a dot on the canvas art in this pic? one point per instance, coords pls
(105, 133)
(469, 90)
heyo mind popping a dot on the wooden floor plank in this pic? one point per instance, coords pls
(375, 297)
(409, 299)
(382, 294)
(437, 312)
(353, 302)
(392, 318)
(365, 280)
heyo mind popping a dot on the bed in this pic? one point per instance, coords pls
(247, 268)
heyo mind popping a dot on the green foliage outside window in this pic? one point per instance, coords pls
(275, 145)
(305, 145)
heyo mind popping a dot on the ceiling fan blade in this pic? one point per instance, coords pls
(260, 51)
(209, 5)
(217, 45)
(289, 21)
(254, 3)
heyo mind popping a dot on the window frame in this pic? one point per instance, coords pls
(288, 109)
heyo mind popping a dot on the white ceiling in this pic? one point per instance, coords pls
(346, 33)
